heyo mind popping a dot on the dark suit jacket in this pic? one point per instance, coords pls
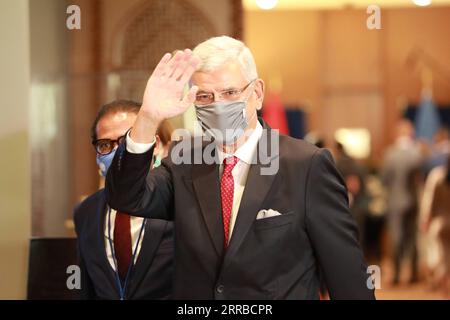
(152, 276)
(273, 258)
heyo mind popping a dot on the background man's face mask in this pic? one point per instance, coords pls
(224, 121)
(104, 162)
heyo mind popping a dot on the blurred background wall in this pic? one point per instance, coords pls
(15, 182)
(49, 117)
(346, 75)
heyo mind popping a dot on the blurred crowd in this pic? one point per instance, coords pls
(402, 207)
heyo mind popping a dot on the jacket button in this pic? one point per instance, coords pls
(220, 289)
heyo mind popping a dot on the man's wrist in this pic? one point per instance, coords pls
(144, 128)
(136, 147)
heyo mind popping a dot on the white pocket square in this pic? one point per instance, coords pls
(267, 213)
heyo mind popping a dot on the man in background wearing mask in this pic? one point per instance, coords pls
(122, 257)
(241, 232)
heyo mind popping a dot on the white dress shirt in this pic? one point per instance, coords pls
(245, 155)
(136, 224)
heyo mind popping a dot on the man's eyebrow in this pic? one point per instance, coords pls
(228, 89)
(225, 89)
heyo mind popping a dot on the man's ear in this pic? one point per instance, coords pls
(259, 90)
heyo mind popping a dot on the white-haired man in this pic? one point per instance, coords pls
(240, 233)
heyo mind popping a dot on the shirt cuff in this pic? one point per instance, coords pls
(135, 147)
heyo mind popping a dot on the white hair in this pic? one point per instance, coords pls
(218, 51)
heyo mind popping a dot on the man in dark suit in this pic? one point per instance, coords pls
(121, 257)
(257, 214)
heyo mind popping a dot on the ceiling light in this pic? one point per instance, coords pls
(266, 4)
(422, 3)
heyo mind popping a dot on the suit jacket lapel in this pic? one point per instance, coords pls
(154, 230)
(207, 187)
(102, 212)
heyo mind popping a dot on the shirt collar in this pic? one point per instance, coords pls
(246, 151)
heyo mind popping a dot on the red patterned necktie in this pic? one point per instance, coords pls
(122, 243)
(226, 194)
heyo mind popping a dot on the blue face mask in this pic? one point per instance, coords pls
(104, 162)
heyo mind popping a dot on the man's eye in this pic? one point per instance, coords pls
(203, 97)
(230, 93)
(104, 145)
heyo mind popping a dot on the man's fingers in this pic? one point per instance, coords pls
(189, 70)
(181, 66)
(173, 63)
(181, 106)
(162, 65)
(189, 98)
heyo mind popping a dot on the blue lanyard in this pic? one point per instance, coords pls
(122, 289)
